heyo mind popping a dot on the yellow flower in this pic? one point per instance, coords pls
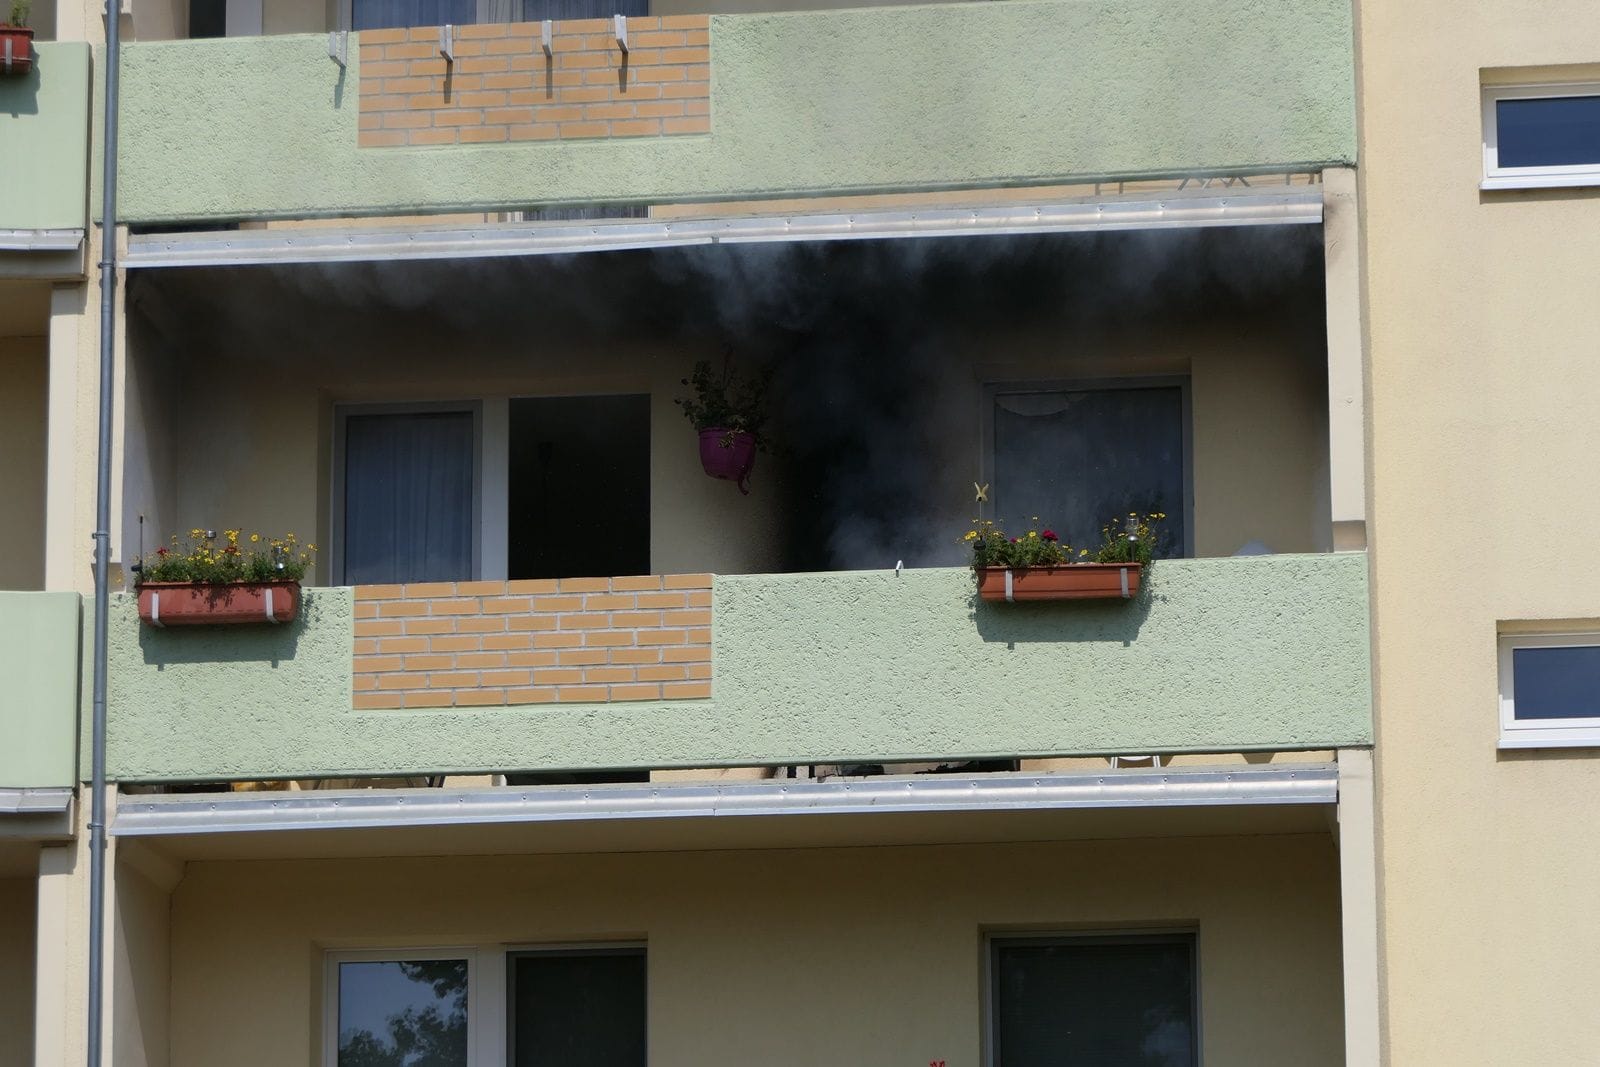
(233, 536)
(311, 548)
(254, 538)
(972, 535)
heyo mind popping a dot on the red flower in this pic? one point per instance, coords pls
(1013, 540)
(1049, 535)
(161, 551)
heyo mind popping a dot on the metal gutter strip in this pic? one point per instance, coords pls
(40, 240)
(355, 243)
(144, 816)
(35, 801)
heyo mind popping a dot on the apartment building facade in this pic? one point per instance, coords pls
(573, 754)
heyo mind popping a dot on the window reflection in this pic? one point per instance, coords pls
(403, 1013)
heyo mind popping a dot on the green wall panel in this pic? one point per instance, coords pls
(44, 141)
(39, 635)
(1263, 652)
(871, 100)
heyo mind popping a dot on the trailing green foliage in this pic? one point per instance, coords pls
(726, 401)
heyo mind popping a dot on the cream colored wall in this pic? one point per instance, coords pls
(17, 899)
(1258, 394)
(796, 956)
(140, 973)
(24, 372)
(1483, 330)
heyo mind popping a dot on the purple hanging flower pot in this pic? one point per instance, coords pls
(728, 454)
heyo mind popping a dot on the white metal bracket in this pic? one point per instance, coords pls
(619, 29)
(546, 32)
(447, 42)
(339, 47)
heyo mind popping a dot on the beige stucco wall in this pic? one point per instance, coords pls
(793, 954)
(24, 372)
(1483, 330)
(17, 908)
(197, 423)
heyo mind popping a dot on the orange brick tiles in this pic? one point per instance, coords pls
(443, 644)
(503, 88)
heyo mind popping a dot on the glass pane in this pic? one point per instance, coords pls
(389, 14)
(406, 1013)
(408, 497)
(1095, 1004)
(583, 1009)
(1556, 683)
(1079, 459)
(1550, 132)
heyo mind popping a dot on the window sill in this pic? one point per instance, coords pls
(1551, 739)
(1540, 181)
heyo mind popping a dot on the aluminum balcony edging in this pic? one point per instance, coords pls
(174, 814)
(358, 243)
(40, 240)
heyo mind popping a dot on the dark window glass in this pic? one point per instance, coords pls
(403, 1013)
(208, 18)
(579, 495)
(1562, 682)
(1081, 458)
(584, 1008)
(408, 497)
(1095, 1002)
(1554, 131)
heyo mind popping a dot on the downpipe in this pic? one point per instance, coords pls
(102, 545)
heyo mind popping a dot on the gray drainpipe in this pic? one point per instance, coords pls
(102, 542)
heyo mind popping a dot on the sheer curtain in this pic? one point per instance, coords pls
(408, 497)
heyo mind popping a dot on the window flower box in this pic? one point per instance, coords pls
(16, 50)
(210, 604)
(210, 583)
(1040, 566)
(1069, 581)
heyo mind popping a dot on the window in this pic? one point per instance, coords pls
(486, 1006)
(406, 495)
(579, 465)
(1549, 690)
(582, 1007)
(386, 14)
(399, 1009)
(1080, 455)
(1541, 136)
(1093, 1001)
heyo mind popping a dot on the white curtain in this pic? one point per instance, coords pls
(408, 497)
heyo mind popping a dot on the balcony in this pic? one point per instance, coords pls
(1221, 655)
(796, 104)
(44, 163)
(39, 654)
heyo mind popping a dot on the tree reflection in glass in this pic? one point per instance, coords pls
(403, 1013)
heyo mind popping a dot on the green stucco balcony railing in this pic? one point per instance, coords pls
(44, 141)
(891, 99)
(1254, 653)
(39, 665)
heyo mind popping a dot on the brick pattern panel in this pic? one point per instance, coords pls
(503, 88)
(577, 640)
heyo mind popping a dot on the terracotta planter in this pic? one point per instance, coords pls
(728, 454)
(1076, 581)
(199, 604)
(16, 50)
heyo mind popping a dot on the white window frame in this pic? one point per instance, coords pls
(994, 938)
(488, 983)
(1497, 177)
(475, 998)
(1541, 733)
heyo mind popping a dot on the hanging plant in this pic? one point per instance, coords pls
(729, 412)
(16, 40)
